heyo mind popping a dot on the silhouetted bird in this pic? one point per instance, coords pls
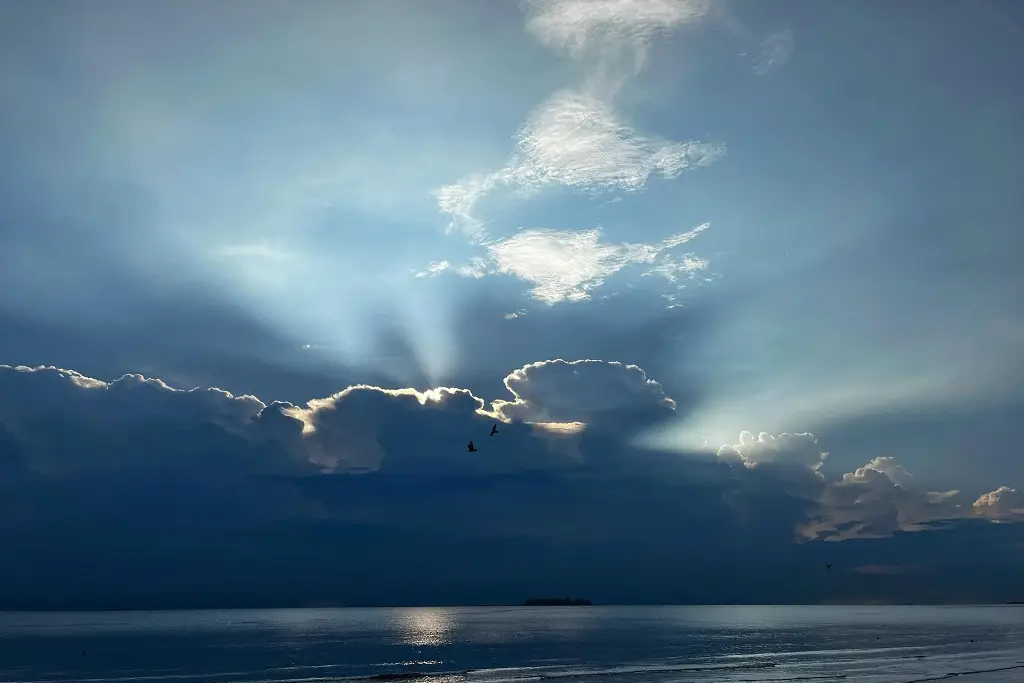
(828, 566)
(471, 447)
(494, 430)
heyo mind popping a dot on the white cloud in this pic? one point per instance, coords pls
(435, 268)
(674, 270)
(798, 449)
(560, 391)
(564, 266)
(575, 140)
(569, 265)
(608, 27)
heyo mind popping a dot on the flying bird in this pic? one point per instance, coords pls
(471, 447)
(828, 566)
(494, 430)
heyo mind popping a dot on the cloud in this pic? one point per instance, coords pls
(608, 27)
(798, 449)
(597, 393)
(874, 501)
(575, 140)
(775, 50)
(566, 266)
(578, 141)
(358, 487)
(68, 422)
(1001, 503)
(879, 499)
(434, 269)
(29, 392)
(365, 429)
(60, 422)
(786, 465)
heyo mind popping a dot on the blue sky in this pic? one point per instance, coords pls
(782, 236)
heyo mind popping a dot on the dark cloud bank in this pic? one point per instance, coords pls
(132, 493)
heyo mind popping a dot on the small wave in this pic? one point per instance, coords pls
(626, 671)
(828, 677)
(956, 674)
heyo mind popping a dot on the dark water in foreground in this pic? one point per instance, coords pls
(492, 644)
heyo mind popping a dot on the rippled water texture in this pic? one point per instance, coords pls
(487, 645)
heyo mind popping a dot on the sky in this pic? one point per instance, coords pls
(736, 282)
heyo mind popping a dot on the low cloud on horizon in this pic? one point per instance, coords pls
(560, 472)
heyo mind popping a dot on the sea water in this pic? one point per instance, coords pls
(511, 644)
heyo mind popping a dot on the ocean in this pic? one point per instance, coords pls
(511, 644)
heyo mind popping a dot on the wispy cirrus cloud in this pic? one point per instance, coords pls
(563, 265)
(775, 50)
(575, 140)
(607, 28)
(255, 250)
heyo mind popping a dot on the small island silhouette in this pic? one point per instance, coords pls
(556, 602)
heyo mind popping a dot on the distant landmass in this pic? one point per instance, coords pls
(556, 602)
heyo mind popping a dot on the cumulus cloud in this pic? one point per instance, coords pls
(873, 501)
(359, 429)
(1002, 503)
(592, 392)
(785, 464)
(368, 464)
(59, 422)
(365, 428)
(31, 391)
(878, 499)
(70, 422)
(797, 449)
(568, 265)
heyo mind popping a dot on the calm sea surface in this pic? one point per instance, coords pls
(491, 645)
